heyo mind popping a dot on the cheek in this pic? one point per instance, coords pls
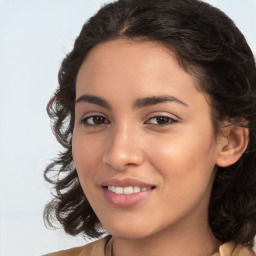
(86, 153)
(185, 162)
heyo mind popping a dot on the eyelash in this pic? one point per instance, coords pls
(166, 120)
(86, 121)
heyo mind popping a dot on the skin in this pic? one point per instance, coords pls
(178, 155)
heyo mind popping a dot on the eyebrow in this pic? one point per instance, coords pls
(149, 101)
(139, 103)
(94, 100)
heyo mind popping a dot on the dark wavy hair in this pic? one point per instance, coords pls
(207, 45)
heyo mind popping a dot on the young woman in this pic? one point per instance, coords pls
(156, 111)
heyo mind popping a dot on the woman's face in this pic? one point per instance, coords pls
(143, 143)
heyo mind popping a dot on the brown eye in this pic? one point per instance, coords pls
(161, 120)
(95, 120)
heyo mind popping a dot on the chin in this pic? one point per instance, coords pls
(127, 231)
(130, 235)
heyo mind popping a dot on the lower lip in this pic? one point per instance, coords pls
(126, 200)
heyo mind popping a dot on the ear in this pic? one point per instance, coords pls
(233, 142)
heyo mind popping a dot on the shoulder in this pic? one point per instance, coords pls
(232, 249)
(95, 248)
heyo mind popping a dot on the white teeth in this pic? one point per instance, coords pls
(119, 190)
(127, 190)
(111, 188)
(136, 189)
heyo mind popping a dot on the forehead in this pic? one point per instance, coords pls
(130, 69)
(135, 59)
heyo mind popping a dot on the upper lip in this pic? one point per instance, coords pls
(125, 183)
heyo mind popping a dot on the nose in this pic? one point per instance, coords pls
(124, 148)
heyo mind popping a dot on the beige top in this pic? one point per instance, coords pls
(97, 249)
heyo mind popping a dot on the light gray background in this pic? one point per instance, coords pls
(34, 38)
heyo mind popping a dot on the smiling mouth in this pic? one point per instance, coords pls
(120, 194)
(128, 190)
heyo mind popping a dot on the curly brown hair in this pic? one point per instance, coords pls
(208, 45)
